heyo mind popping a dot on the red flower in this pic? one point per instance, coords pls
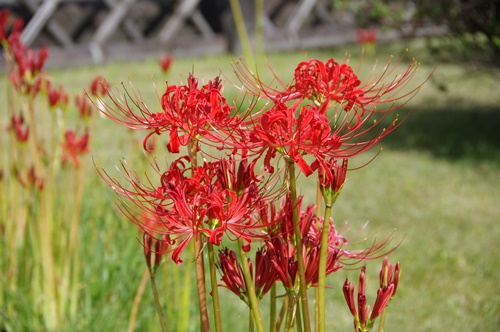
(190, 114)
(293, 132)
(389, 274)
(28, 62)
(366, 35)
(15, 30)
(20, 129)
(57, 97)
(84, 106)
(165, 62)
(30, 179)
(232, 273)
(153, 245)
(344, 119)
(320, 81)
(4, 15)
(74, 147)
(363, 319)
(332, 177)
(282, 256)
(99, 86)
(233, 278)
(282, 247)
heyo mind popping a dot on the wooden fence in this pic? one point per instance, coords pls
(93, 31)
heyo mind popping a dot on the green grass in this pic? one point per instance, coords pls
(436, 184)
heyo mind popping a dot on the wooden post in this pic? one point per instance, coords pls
(303, 10)
(119, 11)
(41, 18)
(183, 10)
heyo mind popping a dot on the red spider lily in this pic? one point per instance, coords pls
(74, 147)
(311, 261)
(186, 216)
(231, 214)
(28, 63)
(326, 82)
(366, 35)
(16, 29)
(154, 246)
(233, 277)
(189, 113)
(283, 250)
(228, 177)
(20, 129)
(84, 106)
(282, 247)
(354, 111)
(319, 81)
(363, 319)
(178, 204)
(30, 179)
(265, 275)
(232, 273)
(26, 77)
(57, 97)
(283, 258)
(99, 86)
(332, 177)
(235, 203)
(34, 180)
(194, 111)
(280, 130)
(4, 15)
(186, 206)
(165, 62)
(389, 274)
(24, 86)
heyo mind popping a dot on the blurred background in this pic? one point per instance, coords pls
(92, 31)
(436, 185)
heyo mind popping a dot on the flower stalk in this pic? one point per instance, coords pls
(252, 298)
(322, 268)
(200, 282)
(324, 116)
(298, 241)
(215, 289)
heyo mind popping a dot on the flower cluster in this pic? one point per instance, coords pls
(318, 122)
(25, 68)
(43, 176)
(363, 318)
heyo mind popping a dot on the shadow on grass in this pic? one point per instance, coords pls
(471, 134)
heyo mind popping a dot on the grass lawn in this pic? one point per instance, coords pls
(436, 185)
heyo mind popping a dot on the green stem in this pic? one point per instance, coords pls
(163, 322)
(298, 240)
(251, 325)
(242, 32)
(322, 269)
(254, 304)
(74, 240)
(137, 301)
(291, 311)
(198, 254)
(259, 29)
(382, 320)
(283, 311)
(319, 204)
(272, 318)
(298, 319)
(215, 291)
